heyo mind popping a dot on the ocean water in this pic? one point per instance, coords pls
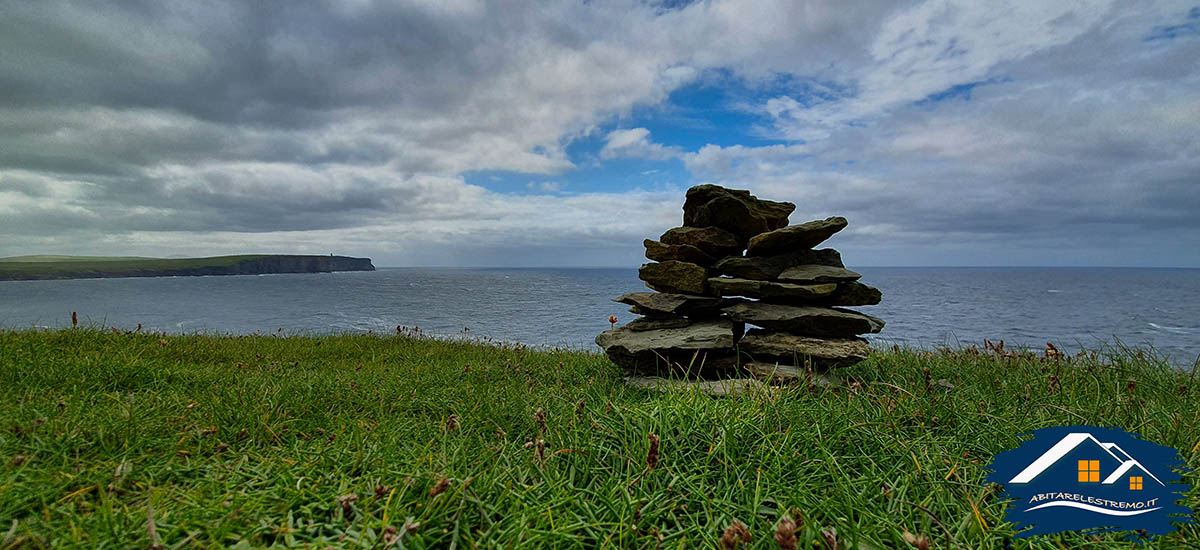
(923, 307)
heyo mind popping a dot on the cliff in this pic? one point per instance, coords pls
(82, 267)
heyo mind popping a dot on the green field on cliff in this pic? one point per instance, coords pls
(112, 439)
(79, 267)
(68, 267)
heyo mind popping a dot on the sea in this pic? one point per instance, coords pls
(924, 307)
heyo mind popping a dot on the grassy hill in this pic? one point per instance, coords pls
(115, 439)
(78, 267)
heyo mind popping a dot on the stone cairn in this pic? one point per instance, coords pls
(737, 262)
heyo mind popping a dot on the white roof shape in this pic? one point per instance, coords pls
(1125, 467)
(1068, 444)
(1113, 448)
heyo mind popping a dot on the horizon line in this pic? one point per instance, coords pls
(856, 267)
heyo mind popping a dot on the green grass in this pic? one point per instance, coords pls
(44, 258)
(73, 267)
(250, 441)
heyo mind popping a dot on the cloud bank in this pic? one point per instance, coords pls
(947, 132)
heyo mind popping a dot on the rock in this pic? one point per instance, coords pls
(792, 348)
(701, 348)
(656, 323)
(675, 277)
(768, 268)
(713, 240)
(855, 293)
(787, 374)
(812, 274)
(768, 290)
(852, 293)
(649, 303)
(717, 388)
(701, 335)
(794, 237)
(804, 320)
(677, 252)
(734, 210)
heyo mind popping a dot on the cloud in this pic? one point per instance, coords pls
(939, 127)
(635, 143)
(544, 186)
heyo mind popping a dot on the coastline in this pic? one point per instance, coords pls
(82, 267)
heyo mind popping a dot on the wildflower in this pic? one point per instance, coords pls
(451, 424)
(540, 416)
(652, 455)
(920, 542)
(439, 488)
(785, 533)
(389, 535)
(382, 491)
(347, 502)
(829, 534)
(74, 319)
(541, 450)
(734, 535)
(612, 320)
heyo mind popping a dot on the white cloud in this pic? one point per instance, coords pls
(544, 186)
(635, 143)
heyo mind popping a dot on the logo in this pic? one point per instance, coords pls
(1083, 478)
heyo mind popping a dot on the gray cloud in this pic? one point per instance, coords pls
(183, 127)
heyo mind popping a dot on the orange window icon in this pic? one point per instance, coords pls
(1089, 471)
(1135, 483)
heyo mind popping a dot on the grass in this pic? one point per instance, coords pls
(132, 440)
(77, 267)
(72, 267)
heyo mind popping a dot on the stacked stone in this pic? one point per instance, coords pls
(737, 262)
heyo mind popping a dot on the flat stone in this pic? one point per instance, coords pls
(774, 373)
(734, 210)
(655, 323)
(804, 320)
(768, 290)
(650, 303)
(795, 349)
(702, 346)
(854, 293)
(713, 240)
(812, 274)
(794, 237)
(717, 388)
(768, 268)
(675, 277)
(677, 252)
(712, 334)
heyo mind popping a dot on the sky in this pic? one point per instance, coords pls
(463, 133)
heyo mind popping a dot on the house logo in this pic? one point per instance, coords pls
(1084, 478)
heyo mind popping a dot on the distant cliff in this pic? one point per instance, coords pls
(83, 267)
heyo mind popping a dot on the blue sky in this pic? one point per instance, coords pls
(473, 133)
